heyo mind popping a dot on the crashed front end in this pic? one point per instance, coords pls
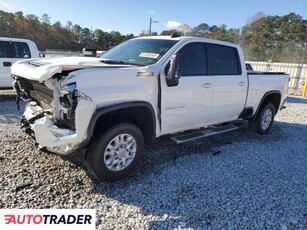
(57, 114)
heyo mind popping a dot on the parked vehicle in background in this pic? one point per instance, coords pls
(88, 52)
(11, 51)
(183, 88)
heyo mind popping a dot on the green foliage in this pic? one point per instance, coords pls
(276, 39)
(264, 38)
(212, 32)
(56, 36)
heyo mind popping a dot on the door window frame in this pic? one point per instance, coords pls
(12, 52)
(9, 52)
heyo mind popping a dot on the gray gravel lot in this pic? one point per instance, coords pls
(239, 180)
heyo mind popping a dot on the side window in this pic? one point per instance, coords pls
(5, 49)
(193, 60)
(222, 60)
(21, 50)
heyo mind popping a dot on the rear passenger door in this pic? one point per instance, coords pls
(5, 64)
(230, 82)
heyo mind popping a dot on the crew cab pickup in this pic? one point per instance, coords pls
(183, 88)
(13, 50)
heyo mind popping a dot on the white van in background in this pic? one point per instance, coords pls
(11, 51)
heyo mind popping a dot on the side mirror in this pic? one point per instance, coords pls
(173, 73)
(41, 55)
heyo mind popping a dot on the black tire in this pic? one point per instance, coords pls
(99, 152)
(260, 124)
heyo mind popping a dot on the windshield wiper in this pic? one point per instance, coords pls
(119, 62)
(114, 61)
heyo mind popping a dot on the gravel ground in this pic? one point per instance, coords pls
(236, 181)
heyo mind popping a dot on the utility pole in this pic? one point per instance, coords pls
(150, 22)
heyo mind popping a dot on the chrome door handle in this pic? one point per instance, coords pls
(241, 83)
(207, 85)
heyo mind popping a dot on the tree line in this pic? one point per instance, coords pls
(263, 38)
(56, 36)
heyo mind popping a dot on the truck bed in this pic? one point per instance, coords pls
(261, 83)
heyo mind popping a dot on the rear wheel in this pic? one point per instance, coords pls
(264, 120)
(116, 152)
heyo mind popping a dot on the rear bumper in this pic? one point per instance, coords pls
(53, 138)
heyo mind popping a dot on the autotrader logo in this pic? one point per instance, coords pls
(77, 219)
(47, 219)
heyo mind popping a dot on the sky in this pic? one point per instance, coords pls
(132, 16)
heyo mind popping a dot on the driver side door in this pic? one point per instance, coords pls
(187, 105)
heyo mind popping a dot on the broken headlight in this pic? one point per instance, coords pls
(70, 87)
(68, 101)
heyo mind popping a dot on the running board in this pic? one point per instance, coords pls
(179, 139)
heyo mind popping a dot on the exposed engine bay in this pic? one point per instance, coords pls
(60, 103)
(50, 114)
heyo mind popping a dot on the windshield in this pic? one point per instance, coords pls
(138, 52)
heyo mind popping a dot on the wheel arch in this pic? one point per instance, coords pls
(139, 113)
(272, 96)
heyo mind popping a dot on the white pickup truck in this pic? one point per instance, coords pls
(13, 50)
(184, 88)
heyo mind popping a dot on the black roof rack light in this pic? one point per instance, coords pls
(175, 35)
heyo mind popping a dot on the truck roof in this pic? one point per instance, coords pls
(15, 39)
(30, 42)
(189, 38)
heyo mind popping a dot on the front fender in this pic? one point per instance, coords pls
(125, 105)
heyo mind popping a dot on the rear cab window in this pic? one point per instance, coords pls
(223, 60)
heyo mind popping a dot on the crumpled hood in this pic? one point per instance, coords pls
(41, 69)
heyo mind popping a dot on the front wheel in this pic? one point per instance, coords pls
(264, 120)
(115, 153)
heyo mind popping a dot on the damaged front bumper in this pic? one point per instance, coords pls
(52, 138)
